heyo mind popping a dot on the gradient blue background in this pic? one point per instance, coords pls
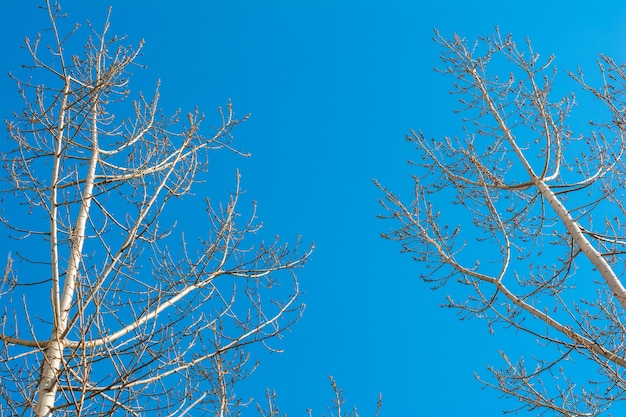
(333, 87)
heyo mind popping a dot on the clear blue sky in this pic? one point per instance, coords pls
(333, 87)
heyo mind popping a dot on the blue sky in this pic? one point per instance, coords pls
(333, 87)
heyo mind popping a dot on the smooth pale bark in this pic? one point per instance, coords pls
(51, 368)
(100, 325)
(518, 145)
(54, 201)
(583, 243)
(572, 227)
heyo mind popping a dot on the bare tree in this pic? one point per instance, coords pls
(106, 311)
(524, 213)
(337, 408)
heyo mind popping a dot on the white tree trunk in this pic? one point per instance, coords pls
(48, 383)
(583, 243)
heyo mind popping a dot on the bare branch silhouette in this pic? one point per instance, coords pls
(111, 312)
(526, 215)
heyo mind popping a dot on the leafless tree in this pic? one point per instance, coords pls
(524, 213)
(337, 408)
(106, 311)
